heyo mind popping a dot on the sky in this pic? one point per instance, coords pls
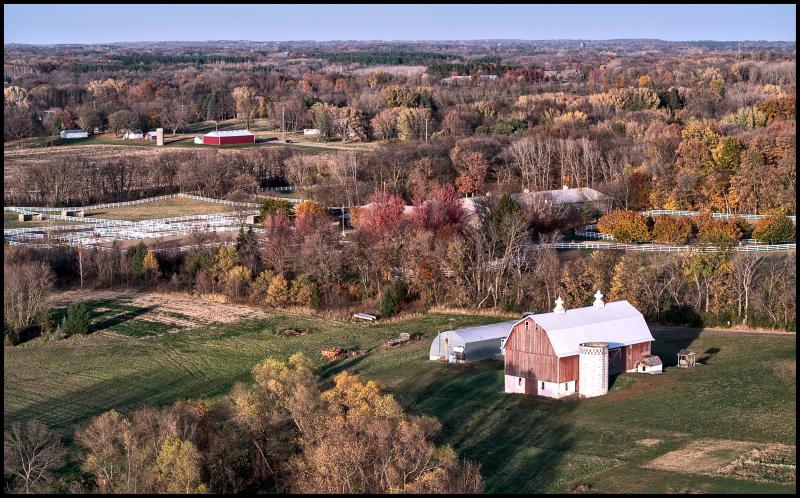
(74, 23)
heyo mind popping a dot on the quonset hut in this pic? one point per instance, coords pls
(574, 351)
(472, 343)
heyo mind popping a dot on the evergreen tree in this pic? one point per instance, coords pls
(137, 260)
(77, 320)
(505, 207)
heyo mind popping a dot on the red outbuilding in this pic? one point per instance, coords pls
(229, 137)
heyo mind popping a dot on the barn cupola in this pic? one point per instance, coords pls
(559, 309)
(598, 299)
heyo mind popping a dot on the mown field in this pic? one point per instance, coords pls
(163, 208)
(740, 398)
(11, 220)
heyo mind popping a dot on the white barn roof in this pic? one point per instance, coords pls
(618, 323)
(230, 133)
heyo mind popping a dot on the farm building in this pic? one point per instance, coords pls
(311, 132)
(157, 135)
(580, 198)
(73, 134)
(229, 137)
(575, 351)
(583, 198)
(133, 135)
(470, 344)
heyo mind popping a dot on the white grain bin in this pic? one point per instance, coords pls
(593, 369)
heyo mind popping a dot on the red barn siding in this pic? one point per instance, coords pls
(530, 354)
(634, 353)
(535, 341)
(568, 369)
(246, 139)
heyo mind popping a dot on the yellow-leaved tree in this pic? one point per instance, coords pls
(179, 467)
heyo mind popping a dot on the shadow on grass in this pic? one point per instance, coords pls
(669, 342)
(707, 355)
(519, 441)
(119, 319)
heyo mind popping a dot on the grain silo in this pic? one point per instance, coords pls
(593, 369)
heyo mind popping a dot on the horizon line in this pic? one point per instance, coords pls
(404, 40)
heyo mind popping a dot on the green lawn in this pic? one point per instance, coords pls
(745, 391)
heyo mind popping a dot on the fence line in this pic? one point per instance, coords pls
(109, 205)
(667, 249)
(278, 189)
(589, 234)
(671, 212)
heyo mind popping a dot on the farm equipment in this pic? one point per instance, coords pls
(293, 332)
(365, 316)
(404, 337)
(332, 354)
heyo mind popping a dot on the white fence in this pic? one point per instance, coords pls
(278, 189)
(667, 249)
(110, 205)
(669, 212)
(589, 234)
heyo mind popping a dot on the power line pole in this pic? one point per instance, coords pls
(426, 129)
(283, 121)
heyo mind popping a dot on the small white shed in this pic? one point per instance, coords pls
(73, 134)
(132, 135)
(650, 364)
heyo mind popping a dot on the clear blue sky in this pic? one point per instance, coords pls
(149, 21)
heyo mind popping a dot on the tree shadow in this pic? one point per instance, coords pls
(28, 333)
(118, 319)
(669, 341)
(707, 354)
(335, 367)
(519, 441)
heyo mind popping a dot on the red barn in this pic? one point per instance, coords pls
(544, 353)
(229, 137)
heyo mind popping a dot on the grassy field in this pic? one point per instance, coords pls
(744, 391)
(164, 208)
(11, 220)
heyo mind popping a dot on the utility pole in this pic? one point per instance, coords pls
(426, 129)
(283, 121)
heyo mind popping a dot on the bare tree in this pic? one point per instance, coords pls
(31, 453)
(745, 266)
(25, 287)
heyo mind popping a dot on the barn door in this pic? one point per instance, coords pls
(616, 361)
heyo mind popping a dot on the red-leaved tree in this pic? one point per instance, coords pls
(382, 215)
(444, 210)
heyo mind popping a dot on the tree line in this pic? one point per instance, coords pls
(433, 255)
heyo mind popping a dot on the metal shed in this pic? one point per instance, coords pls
(471, 343)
